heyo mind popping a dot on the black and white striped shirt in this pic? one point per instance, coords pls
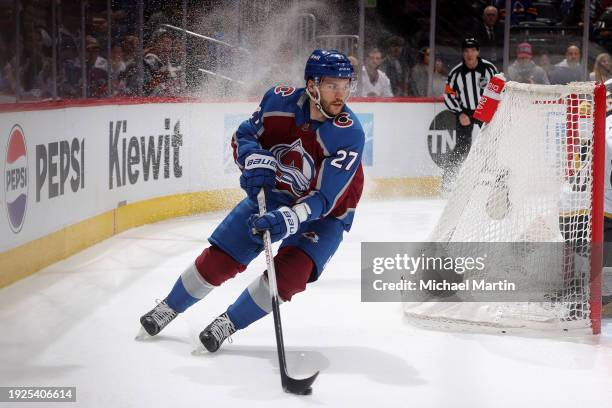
(464, 86)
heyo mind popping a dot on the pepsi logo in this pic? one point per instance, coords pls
(16, 178)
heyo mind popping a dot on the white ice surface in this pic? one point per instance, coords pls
(74, 323)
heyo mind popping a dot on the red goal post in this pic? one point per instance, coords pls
(599, 170)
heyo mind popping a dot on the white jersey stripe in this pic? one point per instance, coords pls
(320, 141)
(283, 114)
(346, 213)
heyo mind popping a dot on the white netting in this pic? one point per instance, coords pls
(527, 178)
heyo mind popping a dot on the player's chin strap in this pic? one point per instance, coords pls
(317, 100)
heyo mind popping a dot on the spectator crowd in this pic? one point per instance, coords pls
(107, 58)
(110, 63)
(401, 69)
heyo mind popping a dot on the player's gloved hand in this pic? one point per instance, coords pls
(259, 171)
(281, 223)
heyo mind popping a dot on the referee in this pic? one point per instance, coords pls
(465, 83)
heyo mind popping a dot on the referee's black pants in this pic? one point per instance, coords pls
(462, 148)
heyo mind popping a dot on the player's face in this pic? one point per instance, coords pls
(334, 92)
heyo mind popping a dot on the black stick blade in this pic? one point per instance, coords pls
(302, 386)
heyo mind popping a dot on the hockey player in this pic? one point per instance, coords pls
(304, 147)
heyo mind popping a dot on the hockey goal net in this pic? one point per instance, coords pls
(534, 174)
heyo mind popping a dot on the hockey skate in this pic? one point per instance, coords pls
(215, 333)
(157, 318)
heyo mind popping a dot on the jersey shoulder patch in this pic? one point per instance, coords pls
(342, 131)
(343, 120)
(347, 119)
(284, 90)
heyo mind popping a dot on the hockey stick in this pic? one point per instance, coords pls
(302, 386)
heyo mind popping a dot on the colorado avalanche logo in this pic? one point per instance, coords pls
(284, 90)
(295, 167)
(16, 177)
(343, 120)
(312, 236)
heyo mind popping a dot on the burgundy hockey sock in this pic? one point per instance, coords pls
(216, 266)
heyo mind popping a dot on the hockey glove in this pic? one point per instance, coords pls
(281, 223)
(259, 171)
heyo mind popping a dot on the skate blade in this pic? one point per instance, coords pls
(198, 347)
(142, 335)
(199, 351)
